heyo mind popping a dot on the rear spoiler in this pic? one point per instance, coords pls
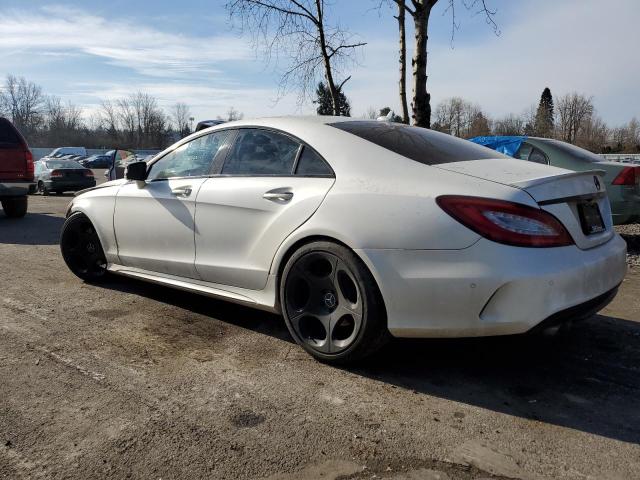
(554, 178)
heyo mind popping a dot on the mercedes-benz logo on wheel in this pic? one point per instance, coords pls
(330, 299)
(596, 182)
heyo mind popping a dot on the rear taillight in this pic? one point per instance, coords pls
(56, 174)
(507, 222)
(28, 158)
(627, 176)
(88, 173)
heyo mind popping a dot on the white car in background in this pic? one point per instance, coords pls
(356, 229)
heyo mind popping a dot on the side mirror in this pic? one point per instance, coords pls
(137, 171)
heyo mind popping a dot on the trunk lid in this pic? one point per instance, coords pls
(570, 196)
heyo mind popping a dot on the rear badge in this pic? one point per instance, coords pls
(596, 182)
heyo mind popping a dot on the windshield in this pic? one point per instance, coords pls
(572, 150)
(55, 164)
(419, 144)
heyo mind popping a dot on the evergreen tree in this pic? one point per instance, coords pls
(544, 116)
(325, 104)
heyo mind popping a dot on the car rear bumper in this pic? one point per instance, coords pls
(490, 289)
(68, 185)
(625, 211)
(16, 188)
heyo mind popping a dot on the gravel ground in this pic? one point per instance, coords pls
(631, 234)
(132, 380)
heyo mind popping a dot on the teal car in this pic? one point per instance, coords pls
(622, 180)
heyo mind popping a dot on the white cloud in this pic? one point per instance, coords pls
(205, 101)
(149, 51)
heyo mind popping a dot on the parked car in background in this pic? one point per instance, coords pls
(16, 170)
(97, 161)
(622, 180)
(207, 123)
(354, 230)
(59, 175)
(60, 151)
(119, 161)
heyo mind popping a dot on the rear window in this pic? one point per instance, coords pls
(419, 144)
(8, 135)
(52, 164)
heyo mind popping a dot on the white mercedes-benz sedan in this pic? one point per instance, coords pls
(356, 230)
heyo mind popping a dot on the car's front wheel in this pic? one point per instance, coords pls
(81, 248)
(331, 303)
(15, 207)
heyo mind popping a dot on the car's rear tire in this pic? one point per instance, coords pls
(81, 248)
(42, 189)
(331, 303)
(15, 207)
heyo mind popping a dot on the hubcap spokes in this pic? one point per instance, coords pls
(323, 302)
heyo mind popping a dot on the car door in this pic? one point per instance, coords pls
(154, 220)
(269, 185)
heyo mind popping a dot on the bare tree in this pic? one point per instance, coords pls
(573, 109)
(181, 114)
(109, 118)
(371, 113)
(23, 102)
(460, 117)
(420, 11)
(593, 134)
(509, 125)
(402, 60)
(298, 29)
(232, 115)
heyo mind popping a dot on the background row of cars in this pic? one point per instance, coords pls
(622, 179)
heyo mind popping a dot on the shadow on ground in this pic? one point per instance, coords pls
(587, 379)
(32, 229)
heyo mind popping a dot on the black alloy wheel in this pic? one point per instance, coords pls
(81, 248)
(331, 303)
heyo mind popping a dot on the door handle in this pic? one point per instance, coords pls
(181, 191)
(278, 196)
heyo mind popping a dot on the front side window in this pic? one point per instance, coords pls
(261, 152)
(192, 159)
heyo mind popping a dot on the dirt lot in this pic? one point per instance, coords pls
(130, 380)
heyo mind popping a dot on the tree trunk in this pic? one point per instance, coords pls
(421, 102)
(403, 64)
(333, 91)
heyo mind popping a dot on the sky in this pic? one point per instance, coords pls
(189, 51)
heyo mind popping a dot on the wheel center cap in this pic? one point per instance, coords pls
(91, 248)
(330, 300)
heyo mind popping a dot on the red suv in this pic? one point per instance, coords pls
(16, 170)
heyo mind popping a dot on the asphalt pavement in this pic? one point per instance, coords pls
(133, 380)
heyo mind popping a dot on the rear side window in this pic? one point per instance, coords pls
(538, 156)
(312, 164)
(9, 138)
(419, 144)
(261, 152)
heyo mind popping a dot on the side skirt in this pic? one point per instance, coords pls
(262, 299)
